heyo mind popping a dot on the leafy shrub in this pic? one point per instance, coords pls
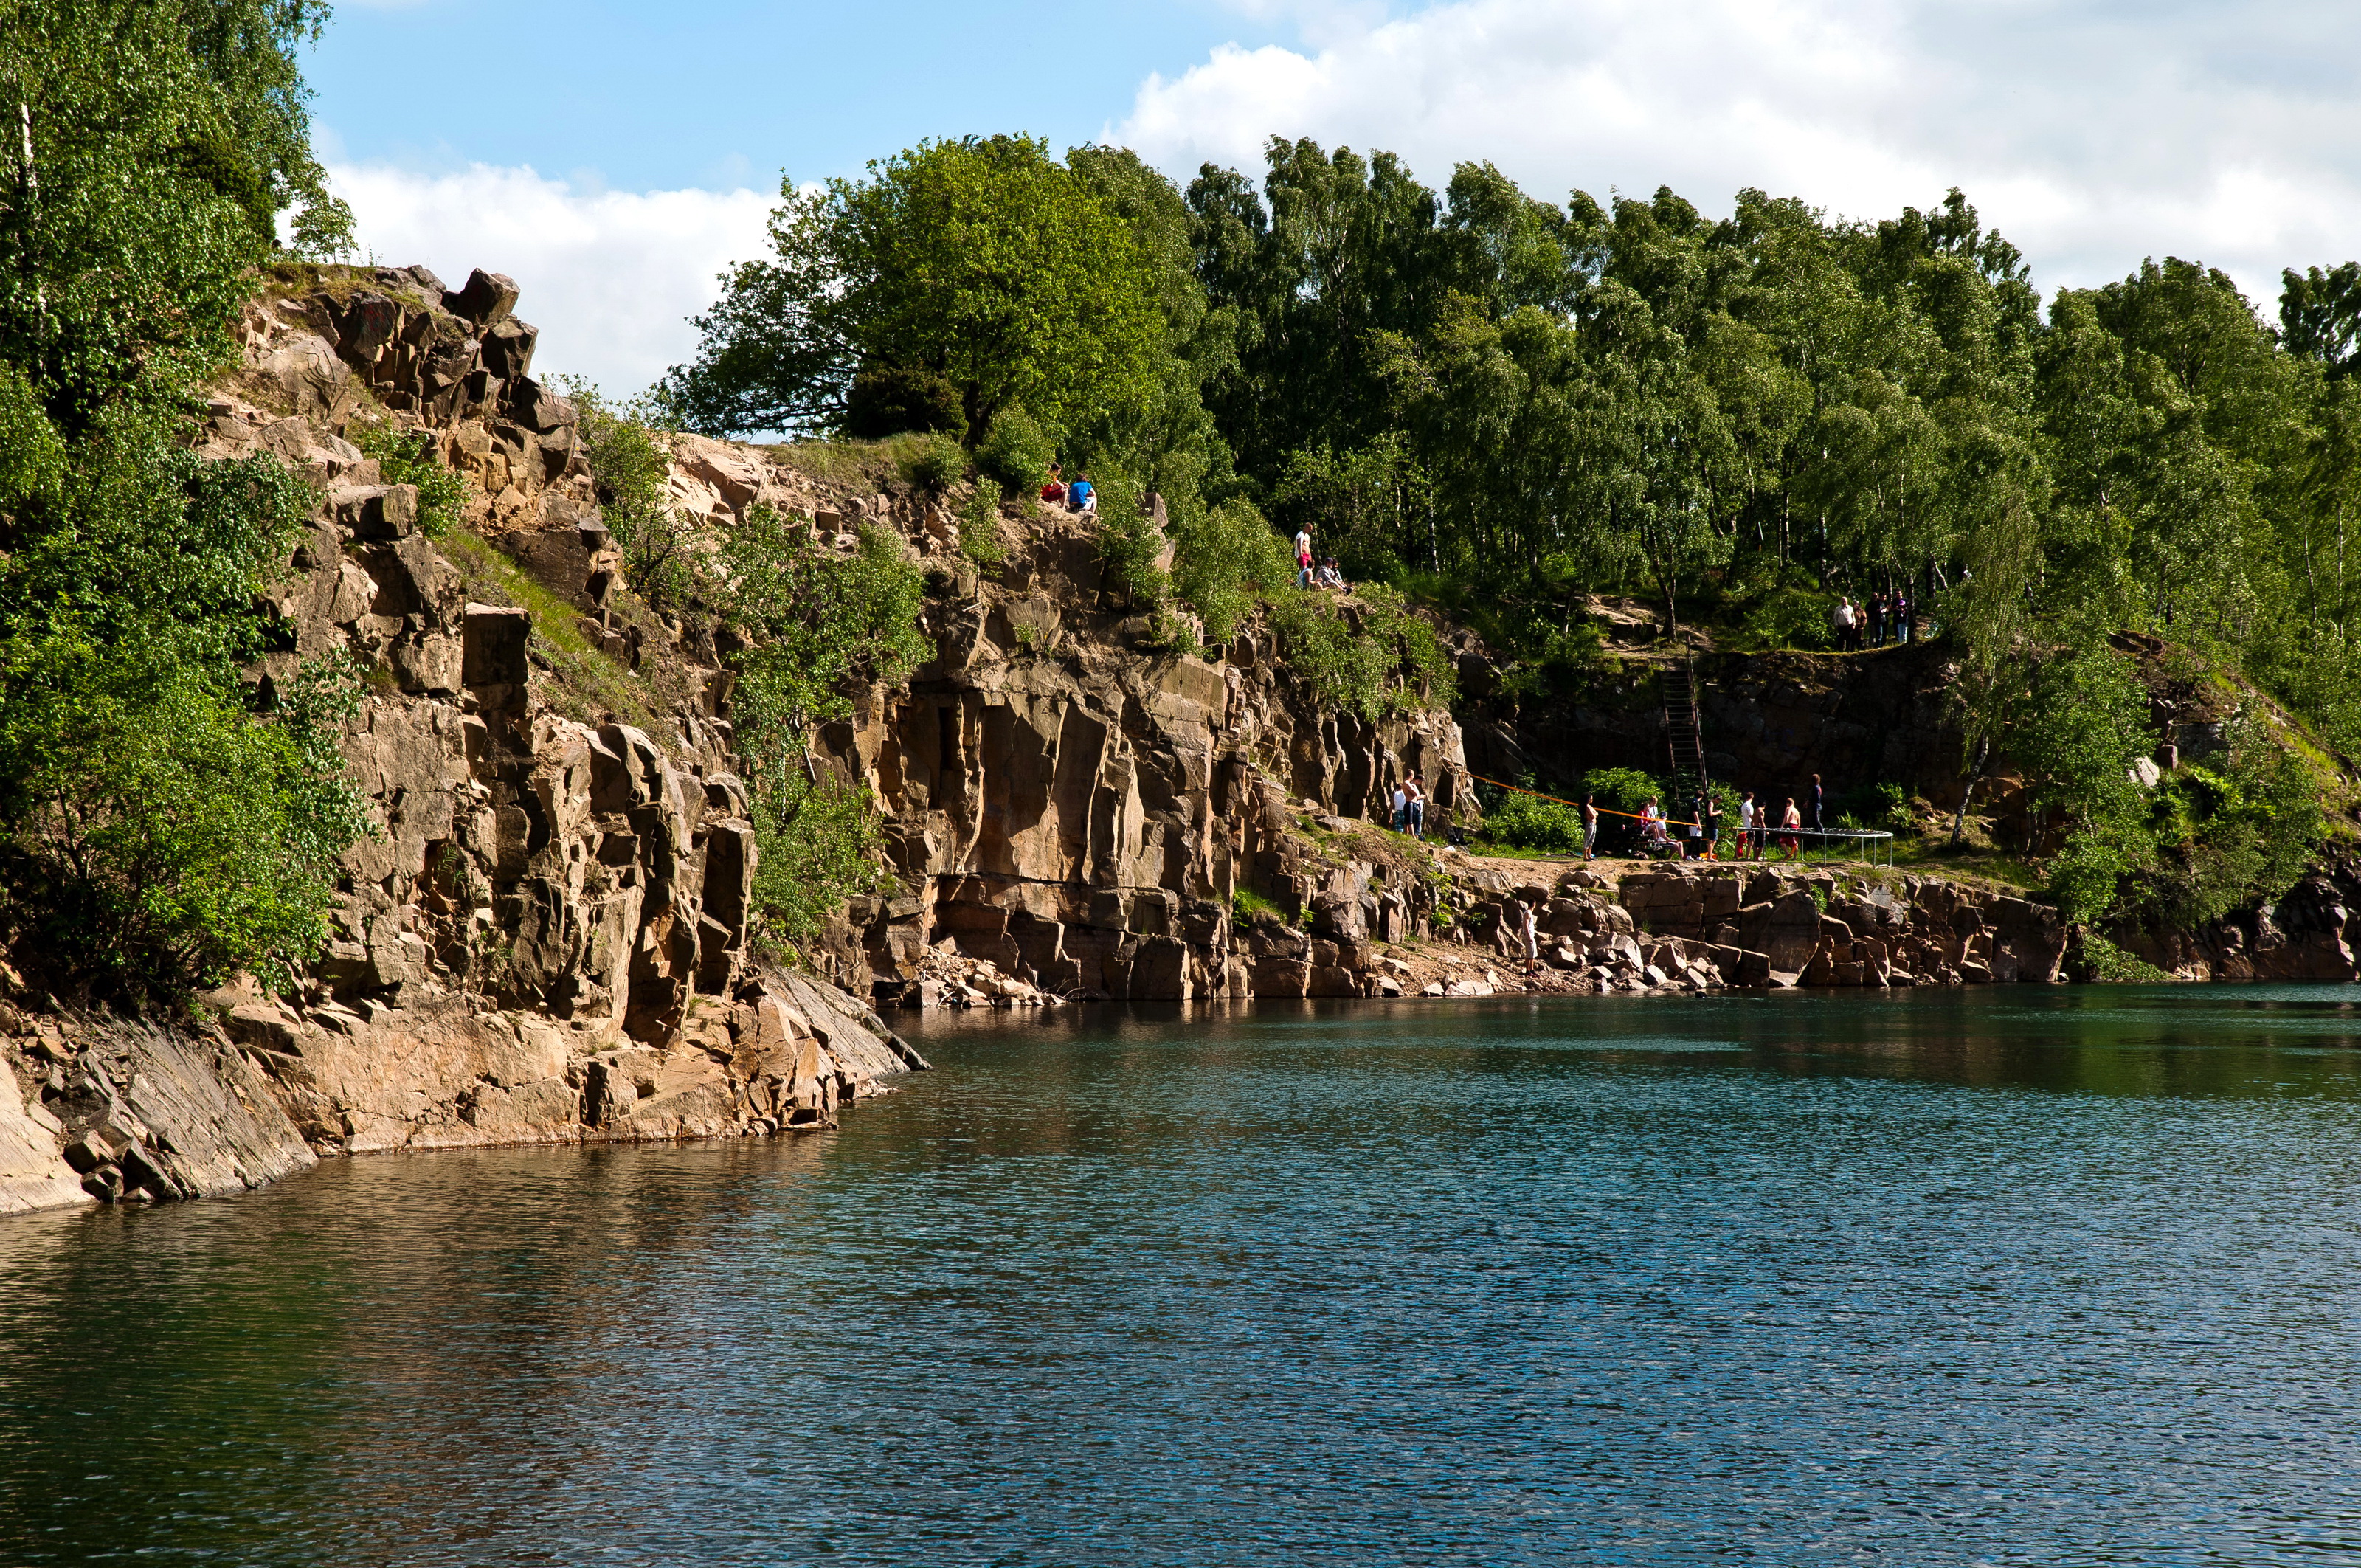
(1370, 669)
(2103, 961)
(1224, 559)
(408, 457)
(171, 839)
(931, 463)
(629, 471)
(816, 841)
(1130, 544)
(980, 529)
(816, 626)
(887, 399)
(1016, 452)
(1621, 789)
(1528, 822)
(1246, 904)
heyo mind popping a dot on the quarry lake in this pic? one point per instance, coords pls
(2020, 1276)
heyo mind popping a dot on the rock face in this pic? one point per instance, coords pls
(1825, 929)
(1081, 811)
(545, 938)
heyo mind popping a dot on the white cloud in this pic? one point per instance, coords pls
(2091, 132)
(609, 277)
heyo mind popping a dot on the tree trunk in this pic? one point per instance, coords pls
(1960, 822)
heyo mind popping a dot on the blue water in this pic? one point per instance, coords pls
(2021, 1276)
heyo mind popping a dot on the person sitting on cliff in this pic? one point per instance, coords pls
(1054, 492)
(1330, 577)
(1081, 495)
(1651, 824)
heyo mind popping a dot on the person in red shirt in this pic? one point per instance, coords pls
(1054, 492)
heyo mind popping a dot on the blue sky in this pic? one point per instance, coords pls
(717, 95)
(614, 157)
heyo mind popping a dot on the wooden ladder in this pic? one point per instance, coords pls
(1684, 737)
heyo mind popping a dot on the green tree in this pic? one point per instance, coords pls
(983, 262)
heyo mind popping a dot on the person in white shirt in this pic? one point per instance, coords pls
(1746, 840)
(1844, 622)
(1401, 805)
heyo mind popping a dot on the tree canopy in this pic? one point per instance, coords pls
(155, 828)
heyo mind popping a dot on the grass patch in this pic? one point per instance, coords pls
(838, 462)
(584, 684)
(1247, 904)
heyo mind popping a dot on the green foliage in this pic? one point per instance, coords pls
(984, 261)
(162, 836)
(1359, 505)
(409, 457)
(817, 842)
(980, 528)
(887, 399)
(1014, 452)
(1246, 906)
(2103, 961)
(1528, 822)
(1621, 789)
(631, 470)
(1224, 560)
(1370, 659)
(155, 834)
(932, 463)
(817, 625)
(1130, 544)
(1886, 807)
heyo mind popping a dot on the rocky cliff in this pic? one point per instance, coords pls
(549, 937)
(546, 937)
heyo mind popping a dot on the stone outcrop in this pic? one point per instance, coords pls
(546, 938)
(1828, 929)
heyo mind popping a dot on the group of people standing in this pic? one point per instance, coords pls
(1867, 624)
(1760, 829)
(1410, 808)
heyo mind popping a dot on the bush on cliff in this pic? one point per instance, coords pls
(160, 825)
(817, 627)
(1016, 453)
(408, 457)
(1225, 560)
(1372, 659)
(632, 472)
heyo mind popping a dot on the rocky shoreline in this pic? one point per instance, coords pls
(549, 937)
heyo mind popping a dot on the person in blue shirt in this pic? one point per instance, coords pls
(1079, 493)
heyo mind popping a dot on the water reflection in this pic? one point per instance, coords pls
(2032, 1276)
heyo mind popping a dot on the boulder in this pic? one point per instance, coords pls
(485, 300)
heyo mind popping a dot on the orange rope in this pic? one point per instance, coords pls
(1602, 810)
